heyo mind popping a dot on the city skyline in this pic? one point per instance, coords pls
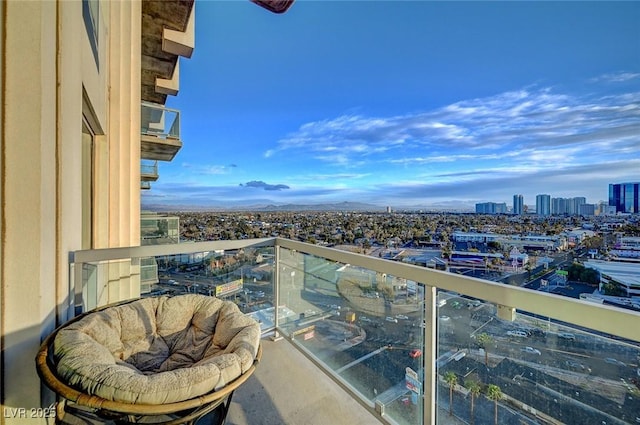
(407, 104)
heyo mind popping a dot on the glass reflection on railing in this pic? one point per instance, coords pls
(158, 120)
(531, 370)
(365, 327)
(244, 276)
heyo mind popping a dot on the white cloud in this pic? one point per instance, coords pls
(617, 77)
(515, 120)
(207, 169)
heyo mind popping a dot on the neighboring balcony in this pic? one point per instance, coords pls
(159, 132)
(357, 339)
(159, 229)
(148, 274)
(148, 171)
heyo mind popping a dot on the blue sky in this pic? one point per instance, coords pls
(406, 103)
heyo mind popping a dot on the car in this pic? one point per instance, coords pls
(566, 335)
(577, 366)
(531, 350)
(518, 334)
(365, 319)
(401, 317)
(391, 319)
(415, 353)
(538, 332)
(445, 318)
(611, 360)
(456, 304)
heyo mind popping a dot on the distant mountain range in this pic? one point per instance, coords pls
(458, 207)
(340, 206)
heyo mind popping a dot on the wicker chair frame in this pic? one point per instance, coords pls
(184, 412)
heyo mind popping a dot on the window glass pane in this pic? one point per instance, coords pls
(90, 15)
(87, 188)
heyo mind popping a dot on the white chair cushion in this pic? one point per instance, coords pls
(157, 350)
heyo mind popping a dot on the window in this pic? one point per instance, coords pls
(87, 186)
(90, 14)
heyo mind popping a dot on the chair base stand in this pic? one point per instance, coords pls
(215, 413)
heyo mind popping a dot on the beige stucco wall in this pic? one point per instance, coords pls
(28, 209)
(46, 62)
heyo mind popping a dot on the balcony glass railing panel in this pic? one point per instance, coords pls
(365, 327)
(149, 168)
(157, 229)
(546, 372)
(101, 280)
(361, 319)
(243, 275)
(157, 120)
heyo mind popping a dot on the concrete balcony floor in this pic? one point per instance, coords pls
(287, 388)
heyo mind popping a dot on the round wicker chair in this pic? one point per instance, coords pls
(164, 360)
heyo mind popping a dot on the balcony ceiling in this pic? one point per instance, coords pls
(275, 6)
(159, 149)
(157, 15)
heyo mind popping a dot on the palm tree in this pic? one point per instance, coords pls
(474, 389)
(451, 379)
(494, 393)
(484, 340)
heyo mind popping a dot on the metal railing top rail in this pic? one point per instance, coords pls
(108, 254)
(601, 318)
(159, 106)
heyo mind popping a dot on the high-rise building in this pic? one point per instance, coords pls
(518, 204)
(587, 209)
(625, 197)
(543, 204)
(574, 204)
(605, 209)
(558, 206)
(491, 208)
(568, 206)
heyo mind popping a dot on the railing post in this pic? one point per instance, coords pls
(276, 288)
(76, 289)
(429, 357)
(506, 313)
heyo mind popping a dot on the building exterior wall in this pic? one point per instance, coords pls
(518, 204)
(543, 205)
(52, 83)
(491, 208)
(625, 197)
